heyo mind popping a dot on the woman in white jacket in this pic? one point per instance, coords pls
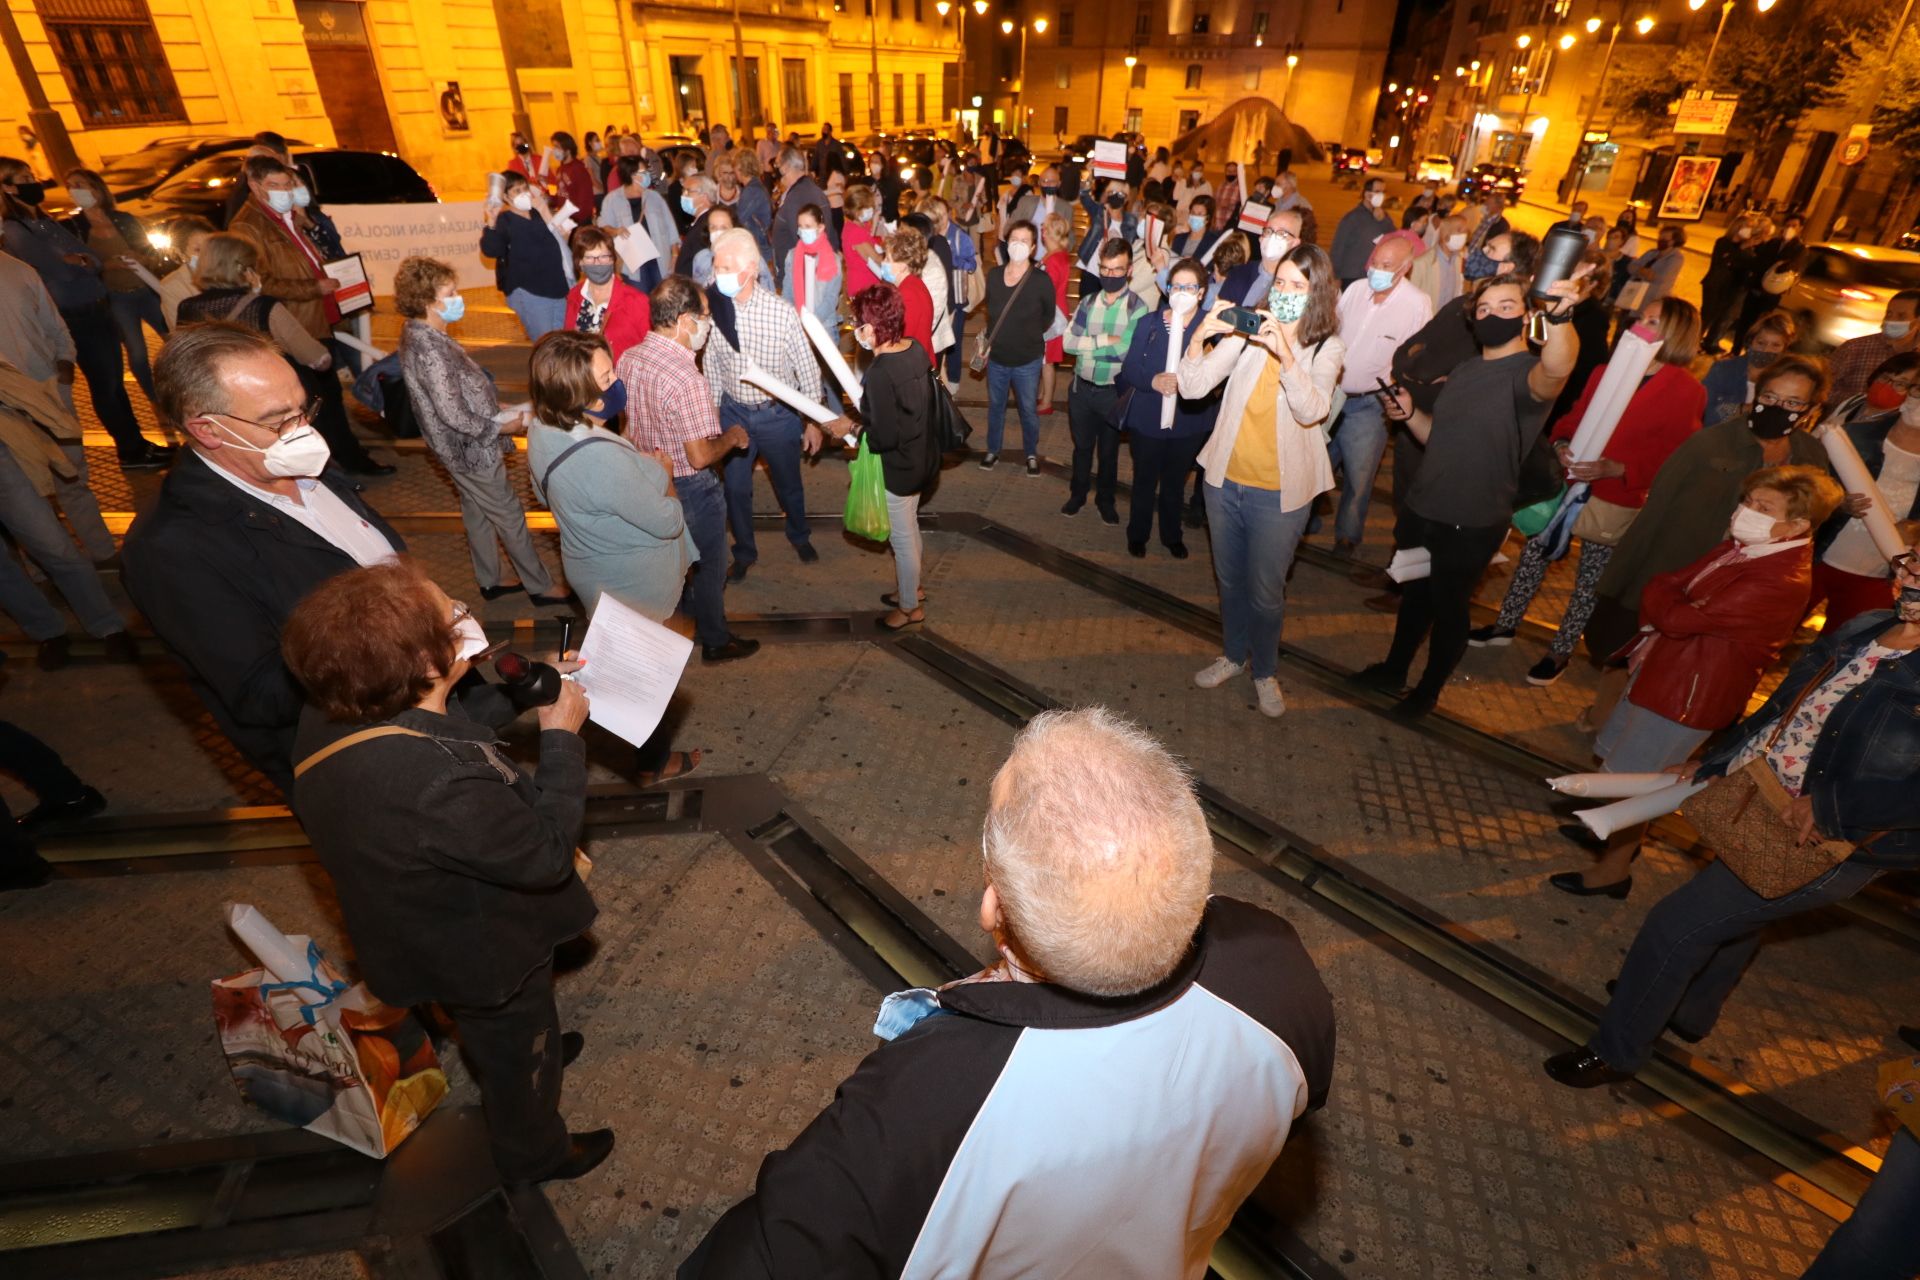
(1266, 460)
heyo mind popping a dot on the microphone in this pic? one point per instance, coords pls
(527, 683)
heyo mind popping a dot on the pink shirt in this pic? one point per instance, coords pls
(1374, 331)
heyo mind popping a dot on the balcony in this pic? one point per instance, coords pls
(1212, 40)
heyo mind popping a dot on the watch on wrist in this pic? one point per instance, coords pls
(1558, 317)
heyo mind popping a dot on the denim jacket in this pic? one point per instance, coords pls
(1864, 775)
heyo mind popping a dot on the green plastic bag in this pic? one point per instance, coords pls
(1531, 520)
(866, 515)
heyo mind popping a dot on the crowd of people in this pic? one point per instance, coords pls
(1203, 324)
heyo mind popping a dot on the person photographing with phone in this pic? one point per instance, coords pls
(1266, 460)
(1489, 414)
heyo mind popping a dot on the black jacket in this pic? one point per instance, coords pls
(217, 573)
(895, 404)
(786, 219)
(453, 868)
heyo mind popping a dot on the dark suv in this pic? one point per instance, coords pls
(339, 177)
(136, 174)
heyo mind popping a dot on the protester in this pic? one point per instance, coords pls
(1248, 284)
(459, 413)
(812, 269)
(905, 267)
(520, 236)
(699, 197)
(1777, 264)
(454, 869)
(1729, 382)
(243, 529)
(187, 235)
(670, 414)
(1227, 200)
(1732, 270)
(119, 241)
(1359, 227)
(72, 278)
(1854, 361)
(1286, 196)
(795, 193)
(569, 175)
(1055, 234)
(1230, 253)
(1165, 430)
(1193, 185)
(1849, 571)
(886, 184)
(1658, 268)
(1107, 219)
(860, 241)
(752, 205)
(1439, 274)
(631, 201)
(1377, 313)
(600, 302)
(1708, 633)
(1487, 417)
(290, 265)
(951, 1147)
(1020, 307)
(896, 406)
(963, 278)
(1839, 737)
(62, 796)
(770, 338)
(936, 272)
(1098, 338)
(1198, 235)
(1663, 412)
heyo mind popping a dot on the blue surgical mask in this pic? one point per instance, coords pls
(302, 197)
(1287, 308)
(646, 179)
(452, 309)
(686, 205)
(809, 235)
(280, 201)
(728, 282)
(1379, 280)
(888, 274)
(1896, 329)
(613, 402)
(1196, 222)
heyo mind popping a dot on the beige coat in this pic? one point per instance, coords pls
(34, 419)
(1305, 402)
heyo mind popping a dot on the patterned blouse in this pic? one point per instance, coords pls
(1788, 757)
(453, 399)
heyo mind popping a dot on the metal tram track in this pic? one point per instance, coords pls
(1824, 1170)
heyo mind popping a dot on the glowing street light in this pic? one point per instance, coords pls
(1567, 41)
(1593, 26)
(943, 8)
(1020, 86)
(1644, 25)
(1522, 41)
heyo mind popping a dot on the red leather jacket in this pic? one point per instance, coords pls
(629, 315)
(1704, 646)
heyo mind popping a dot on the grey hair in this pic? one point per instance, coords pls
(1098, 851)
(791, 161)
(700, 184)
(740, 240)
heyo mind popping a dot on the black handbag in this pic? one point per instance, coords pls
(947, 427)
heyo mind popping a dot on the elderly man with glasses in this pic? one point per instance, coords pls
(248, 524)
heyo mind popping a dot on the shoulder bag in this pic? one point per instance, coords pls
(1778, 279)
(1603, 523)
(978, 365)
(566, 453)
(1740, 817)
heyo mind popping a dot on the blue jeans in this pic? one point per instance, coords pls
(1878, 1242)
(773, 432)
(1253, 544)
(30, 521)
(1689, 953)
(703, 503)
(1359, 440)
(130, 311)
(1025, 381)
(538, 316)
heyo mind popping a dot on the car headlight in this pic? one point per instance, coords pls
(906, 175)
(160, 240)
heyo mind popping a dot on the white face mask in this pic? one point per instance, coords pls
(473, 640)
(1750, 528)
(522, 201)
(1183, 303)
(1455, 243)
(1019, 250)
(1274, 245)
(698, 338)
(1376, 198)
(296, 456)
(81, 197)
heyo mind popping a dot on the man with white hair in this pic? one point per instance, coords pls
(795, 192)
(1095, 1105)
(765, 333)
(699, 195)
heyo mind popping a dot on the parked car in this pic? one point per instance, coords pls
(1349, 161)
(1843, 290)
(136, 174)
(1504, 178)
(1432, 169)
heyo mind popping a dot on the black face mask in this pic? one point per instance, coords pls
(30, 193)
(521, 148)
(1497, 331)
(1049, 191)
(1113, 284)
(1770, 421)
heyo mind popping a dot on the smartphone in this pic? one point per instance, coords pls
(1243, 320)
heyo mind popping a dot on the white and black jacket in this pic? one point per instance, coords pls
(1025, 1129)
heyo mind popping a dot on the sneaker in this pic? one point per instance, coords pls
(1271, 703)
(987, 461)
(1546, 671)
(1033, 466)
(1490, 637)
(1217, 673)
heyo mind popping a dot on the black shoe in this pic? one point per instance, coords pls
(806, 553)
(494, 593)
(1490, 636)
(735, 647)
(1580, 834)
(55, 653)
(24, 870)
(1072, 507)
(553, 599)
(1033, 466)
(987, 461)
(589, 1149)
(737, 571)
(1582, 1068)
(120, 647)
(571, 1043)
(370, 467)
(83, 803)
(1910, 1036)
(1546, 671)
(1178, 551)
(1380, 676)
(1415, 706)
(153, 458)
(1195, 518)
(1109, 516)
(1138, 550)
(1570, 882)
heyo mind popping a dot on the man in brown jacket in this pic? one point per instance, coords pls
(290, 265)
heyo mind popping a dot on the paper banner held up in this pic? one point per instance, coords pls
(1109, 159)
(830, 353)
(787, 395)
(1253, 217)
(631, 666)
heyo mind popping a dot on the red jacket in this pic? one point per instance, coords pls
(919, 307)
(629, 315)
(1665, 410)
(1707, 645)
(574, 183)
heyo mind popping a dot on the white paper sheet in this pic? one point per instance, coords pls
(830, 353)
(1109, 159)
(632, 666)
(1610, 786)
(1253, 217)
(1169, 404)
(786, 395)
(508, 412)
(1410, 563)
(1633, 810)
(635, 247)
(1206, 259)
(1854, 477)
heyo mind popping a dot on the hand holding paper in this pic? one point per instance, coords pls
(630, 666)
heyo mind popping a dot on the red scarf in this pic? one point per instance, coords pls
(825, 267)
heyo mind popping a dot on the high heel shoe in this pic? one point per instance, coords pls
(1570, 882)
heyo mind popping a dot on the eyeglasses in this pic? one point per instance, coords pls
(1184, 288)
(300, 417)
(1791, 406)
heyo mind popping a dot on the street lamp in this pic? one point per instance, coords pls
(1522, 41)
(1583, 150)
(1126, 102)
(943, 8)
(1566, 42)
(1286, 94)
(1020, 85)
(1593, 26)
(1726, 11)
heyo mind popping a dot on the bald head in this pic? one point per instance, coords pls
(1393, 253)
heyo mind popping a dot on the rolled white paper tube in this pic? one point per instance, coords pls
(278, 954)
(1855, 478)
(1610, 786)
(1608, 819)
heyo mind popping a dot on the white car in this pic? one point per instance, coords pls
(1432, 169)
(1843, 290)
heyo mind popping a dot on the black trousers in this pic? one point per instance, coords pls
(97, 354)
(513, 1050)
(1441, 602)
(1160, 467)
(45, 774)
(1089, 416)
(333, 424)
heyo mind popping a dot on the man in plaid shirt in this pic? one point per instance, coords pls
(670, 413)
(769, 336)
(1852, 363)
(1098, 338)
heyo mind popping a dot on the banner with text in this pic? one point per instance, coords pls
(385, 235)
